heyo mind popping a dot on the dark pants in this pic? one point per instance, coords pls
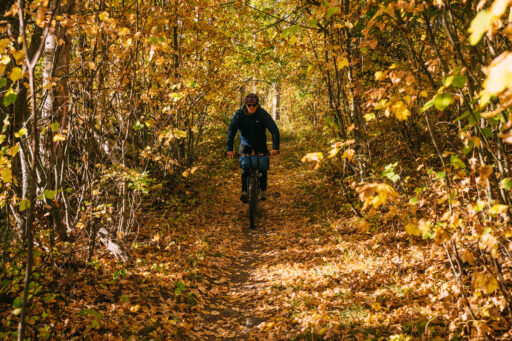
(257, 150)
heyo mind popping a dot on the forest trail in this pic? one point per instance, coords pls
(240, 303)
(306, 271)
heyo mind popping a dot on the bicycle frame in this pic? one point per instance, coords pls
(253, 187)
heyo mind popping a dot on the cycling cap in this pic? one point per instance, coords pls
(252, 98)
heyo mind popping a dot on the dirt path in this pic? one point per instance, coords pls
(240, 304)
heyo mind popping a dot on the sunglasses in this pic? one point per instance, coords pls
(250, 105)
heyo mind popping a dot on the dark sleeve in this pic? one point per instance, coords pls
(233, 128)
(272, 127)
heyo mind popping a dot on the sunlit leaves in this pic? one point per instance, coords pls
(314, 157)
(412, 228)
(103, 16)
(9, 97)
(389, 172)
(442, 101)
(379, 76)
(400, 110)
(376, 194)
(479, 26)
(506, 183)
(457, 81)
(499, 74)
(485, 282)
(16, 74)
(457, 162)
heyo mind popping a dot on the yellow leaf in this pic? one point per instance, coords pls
(412, 229)
(399, 109)
(468, 257)
(348, 154)
(5, 60)
(6, 174)
(376, 194)
(499, 74)
(364, 226)
(499, 7)
(342, 63)
(489, 243)
(16, 74)
(498, 209)
(59, 137)
(3, 44)
(485, 282)
(441, 236)
(135, 308)
(313, 157)
(103, 16)
(424, 94)
(376, 306)
(124, 31)
(379, 75)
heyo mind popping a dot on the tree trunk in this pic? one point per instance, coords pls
(276, 101)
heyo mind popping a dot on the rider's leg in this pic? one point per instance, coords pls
(245, 175)
(244, 150)
(263, 180)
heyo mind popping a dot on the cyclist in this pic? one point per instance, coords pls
(252, 121)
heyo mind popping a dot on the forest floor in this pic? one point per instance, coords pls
(197, 272)
(305, 272)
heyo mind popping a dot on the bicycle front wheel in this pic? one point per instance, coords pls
(252, 191)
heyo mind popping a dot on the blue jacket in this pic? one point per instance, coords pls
(252, 129)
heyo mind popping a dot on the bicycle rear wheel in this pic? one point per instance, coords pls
(252, 192)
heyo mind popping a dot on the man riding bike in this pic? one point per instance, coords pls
(252, 121)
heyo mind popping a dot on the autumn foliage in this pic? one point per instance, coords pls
(396, 118)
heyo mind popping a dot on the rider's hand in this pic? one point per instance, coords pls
(274, 152)
(230, 154)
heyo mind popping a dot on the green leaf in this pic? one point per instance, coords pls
(3, 82)
(21, 132)
(506, 183)
(459, 81)
(95, 324)
(137, 126)
(9, 98)
(427, 105)
(49, 194)
(90, 312)
(440, 175)
(465, 114)
(179, 287)
(369, 117)
(313, 22)
(456, 162)
(55, 126)
(24, 204)
(331, 11)
(487, 132)
(389, 172)
(442, 101)
(480, 24)
(469, 148)
(448, 81)
(18, 302)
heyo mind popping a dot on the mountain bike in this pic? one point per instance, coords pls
(253, 184)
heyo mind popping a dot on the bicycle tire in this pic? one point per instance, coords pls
(252, 191)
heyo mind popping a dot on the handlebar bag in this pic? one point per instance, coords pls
(254, 162)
